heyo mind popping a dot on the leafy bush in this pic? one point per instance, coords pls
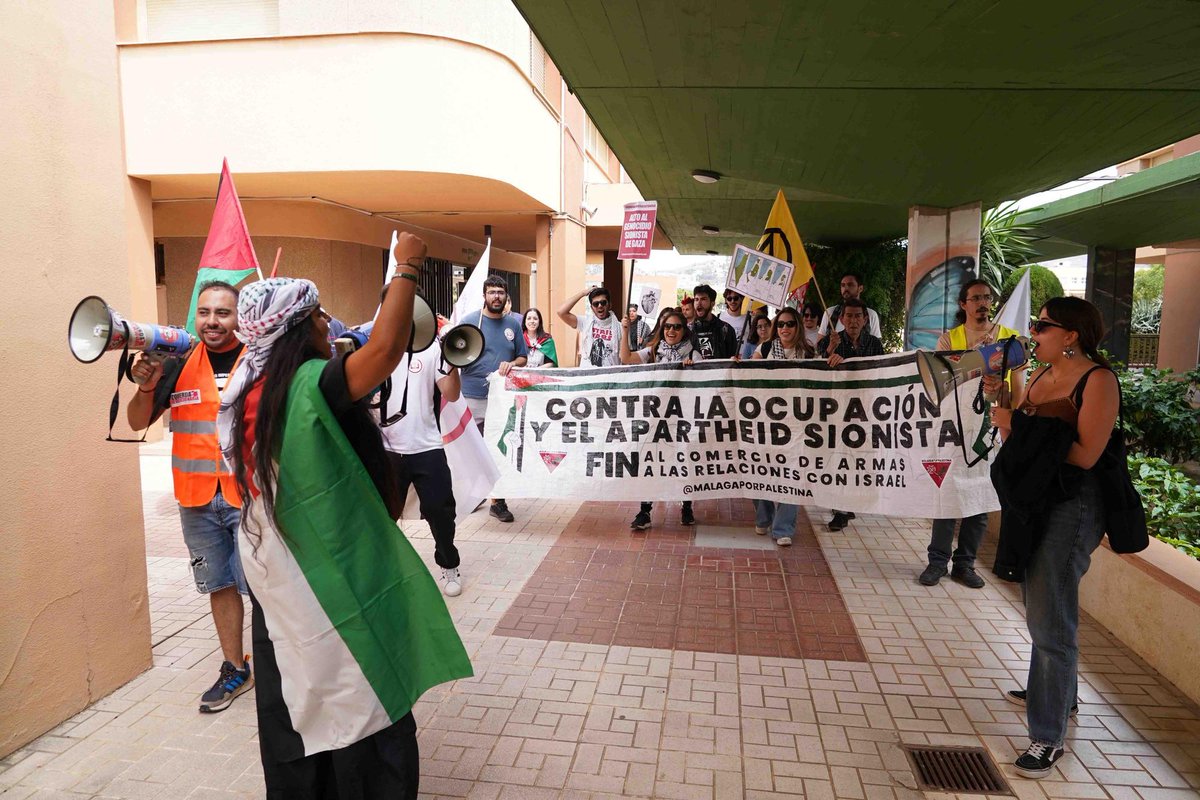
(1172, 502)
(1148, 283)
(1159, 420)
(1146, 315)
(1043, 285)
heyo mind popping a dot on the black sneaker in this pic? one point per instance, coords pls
(1018, 697)
(686, 516)
(932, 574)
(231, 682)
(1037, 760)
(641, 521)
(500, 511)
(967, 576)
(840, 518)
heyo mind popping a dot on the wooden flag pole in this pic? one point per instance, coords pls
(275, 267)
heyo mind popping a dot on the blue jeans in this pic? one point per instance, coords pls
(210, 532)
(970, 535)
(779, 517)
(1074, 528)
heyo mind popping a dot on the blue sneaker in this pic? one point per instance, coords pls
(230, 684)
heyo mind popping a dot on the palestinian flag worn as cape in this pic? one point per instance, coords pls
(546, 346)
(357, 624)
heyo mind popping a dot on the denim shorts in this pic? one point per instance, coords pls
(210, 532)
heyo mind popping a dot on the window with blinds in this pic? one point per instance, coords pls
(170, 20)
(537, 63)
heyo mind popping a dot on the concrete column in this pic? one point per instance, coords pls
(1179, 335)
(943, 253)
(1110, 289)
(561, 249)
(139, 233)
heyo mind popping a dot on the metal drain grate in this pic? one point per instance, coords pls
(956, 769)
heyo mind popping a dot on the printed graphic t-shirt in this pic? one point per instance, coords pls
(599, 341)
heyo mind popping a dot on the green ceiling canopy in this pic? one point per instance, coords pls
(859, 109)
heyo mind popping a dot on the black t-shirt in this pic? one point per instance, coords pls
(362, 432)
(221, 363)
(714, 338)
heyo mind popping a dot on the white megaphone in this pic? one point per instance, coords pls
(424, 326)
(942, 372)
(96, 328)
(462, 345)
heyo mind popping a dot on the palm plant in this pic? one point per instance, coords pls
(1004, 243)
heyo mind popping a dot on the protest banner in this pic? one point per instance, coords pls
(637, 230)
(759, 276)
(862, 436)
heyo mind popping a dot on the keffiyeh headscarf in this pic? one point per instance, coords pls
(267, 310)
(673, 353)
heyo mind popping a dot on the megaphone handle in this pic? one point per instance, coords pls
(114, 408)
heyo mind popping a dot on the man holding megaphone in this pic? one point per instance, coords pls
(975, 330)
(209, 504)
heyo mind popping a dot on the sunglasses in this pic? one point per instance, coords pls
(729, 298)
(786, 323)
(809, 316)
(1039, 325)
(599, 303)
(672, 326)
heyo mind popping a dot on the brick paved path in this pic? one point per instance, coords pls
(714, 704)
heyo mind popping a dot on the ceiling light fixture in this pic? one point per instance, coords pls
(710, 230)
(705, 176)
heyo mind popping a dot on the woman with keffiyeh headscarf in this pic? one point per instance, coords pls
(349, 628)
(670, 343)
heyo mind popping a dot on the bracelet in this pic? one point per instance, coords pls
(146, 391)
(408, 275)
(420, 262)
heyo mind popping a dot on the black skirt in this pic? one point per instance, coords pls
(383, 766)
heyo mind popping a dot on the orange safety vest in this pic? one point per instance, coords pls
(196, 462)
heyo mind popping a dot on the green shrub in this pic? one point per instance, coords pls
(1145, 315)
(1043, 285)
(1172, 502)
(1159, 420)
(1148, 283)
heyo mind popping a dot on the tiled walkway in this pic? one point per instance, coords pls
(563, 705)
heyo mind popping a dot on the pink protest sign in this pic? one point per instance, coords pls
(637, 231)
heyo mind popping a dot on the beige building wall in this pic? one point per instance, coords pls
(76, 622)
(348, 275)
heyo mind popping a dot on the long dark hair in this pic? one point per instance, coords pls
(657, 336)
(752, 334)
(1077, 314)
(291, 351)
(960, 316)
(541, 331)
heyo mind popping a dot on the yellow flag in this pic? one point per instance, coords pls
(781, 239)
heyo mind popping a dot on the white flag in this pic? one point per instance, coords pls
(470, 299)
(472, 469)
(1015, 313)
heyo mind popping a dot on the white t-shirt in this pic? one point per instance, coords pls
(599, 341)
(872, 320)
(740, 324)
(418, 431)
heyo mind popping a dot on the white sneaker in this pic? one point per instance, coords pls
(763, 531)
(784, 541)
(451, 582)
